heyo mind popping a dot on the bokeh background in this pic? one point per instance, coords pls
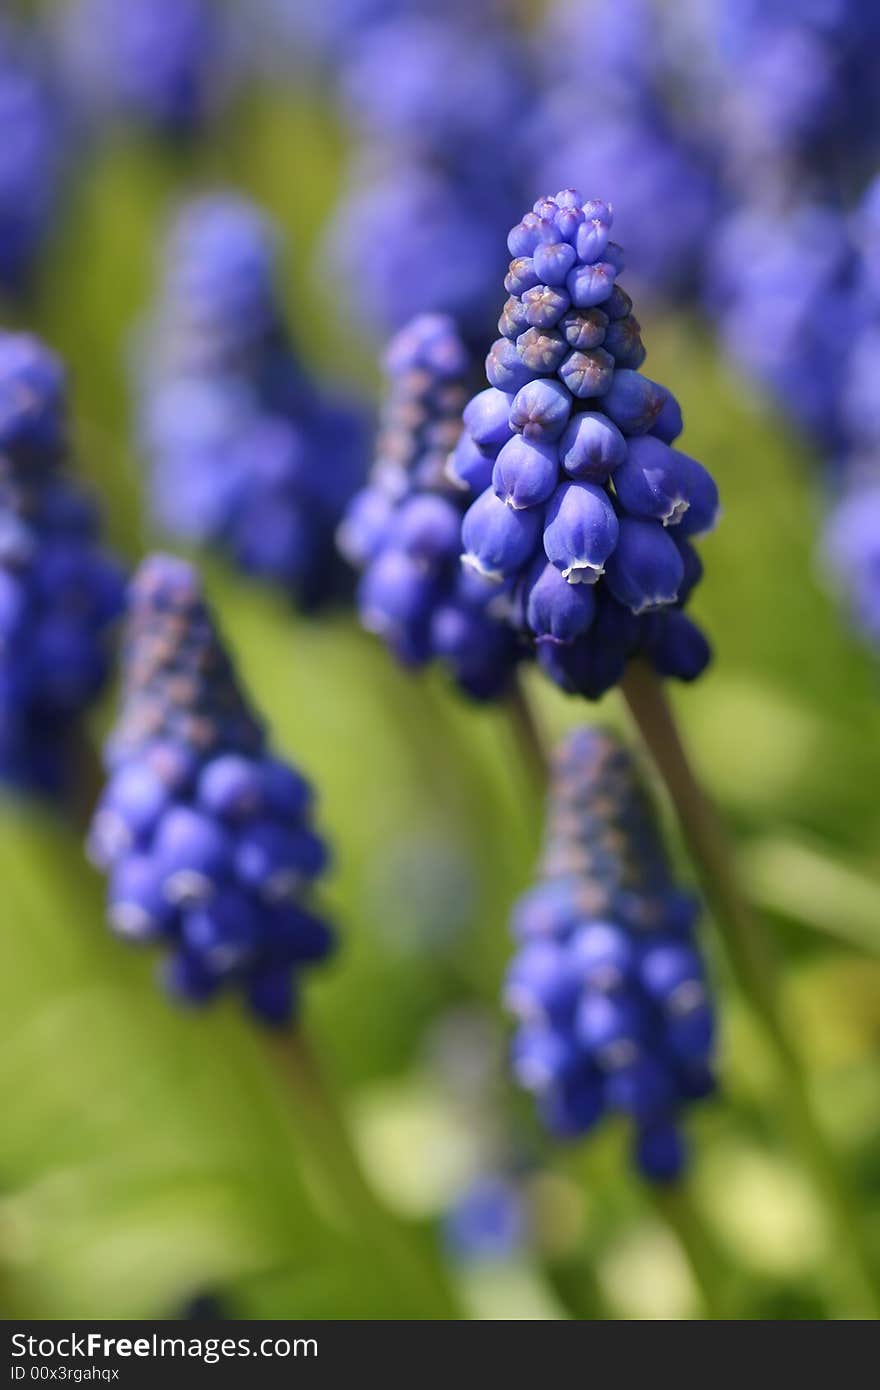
(149, 1157)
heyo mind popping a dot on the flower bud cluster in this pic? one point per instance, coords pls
(204, 834)
(607, 986)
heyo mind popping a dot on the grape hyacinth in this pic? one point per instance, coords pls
(31, 157)
(436, 101)
(205, 835)
(624, 130)
(247, 452)
(403, 529)
(584, 511)
(766, 273)
(796, 88)
(607, 985)
(165, 65)
(59, 590)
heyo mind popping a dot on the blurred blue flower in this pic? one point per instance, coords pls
(608, 988)
(246, 451)
(610, 117)
(164, 64)
(437, 101)
(205, 836)
(59, 590)
(775, 281)
(798, 95)
(487, 1222)
(852, 551)
(31, 154)
(403, 530)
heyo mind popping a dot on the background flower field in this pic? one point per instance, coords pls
(148, 1157)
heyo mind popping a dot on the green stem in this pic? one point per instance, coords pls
(675, 1204)
(753, 960)
(528, 738)
(420, 1286)
(86, 780)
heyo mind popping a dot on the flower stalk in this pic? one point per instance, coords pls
(753, 960)
(419, 1284)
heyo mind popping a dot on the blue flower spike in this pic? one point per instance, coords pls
(608, 988)
(246, 452)
(204, 834)
(569, 461)
(404, 530)
(60, 591)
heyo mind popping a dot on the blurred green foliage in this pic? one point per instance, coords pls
(147, 1155)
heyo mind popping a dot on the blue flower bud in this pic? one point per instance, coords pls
(660, 1152)
(361, 533)
(295, 936)
(623, 340)
(633, 401)
(505, 368)
(553, 262)
(676, 646)
(523, 238)
(556, 610)
(540, 410)
(130, 807)
(645, 570)
(580, 532)
(576, 1105)
(618, 304)
(272, 996)
(587, 374)
(549, 908)
(668, 424)
(608, 1027)
(521, 275)
(690, 1026)
(288, 794)
(224, 932)
(395, 592)
(590, 284)
(642, 1087)
(613, 254)
(487, 418)
(525, 472)
(592, 236)
(540, 1057)
(468, 467)
(584, 328)
(231, 787)
(188, 978)
(693, 566)
(591, 447)
(539, 985)
(602, 956)
(513, 319)
(651, 481)
(544, 306)
(498, 539)
(541, 350)
(137, 906)
(193, 855)
(428, 528)
(702, 494)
